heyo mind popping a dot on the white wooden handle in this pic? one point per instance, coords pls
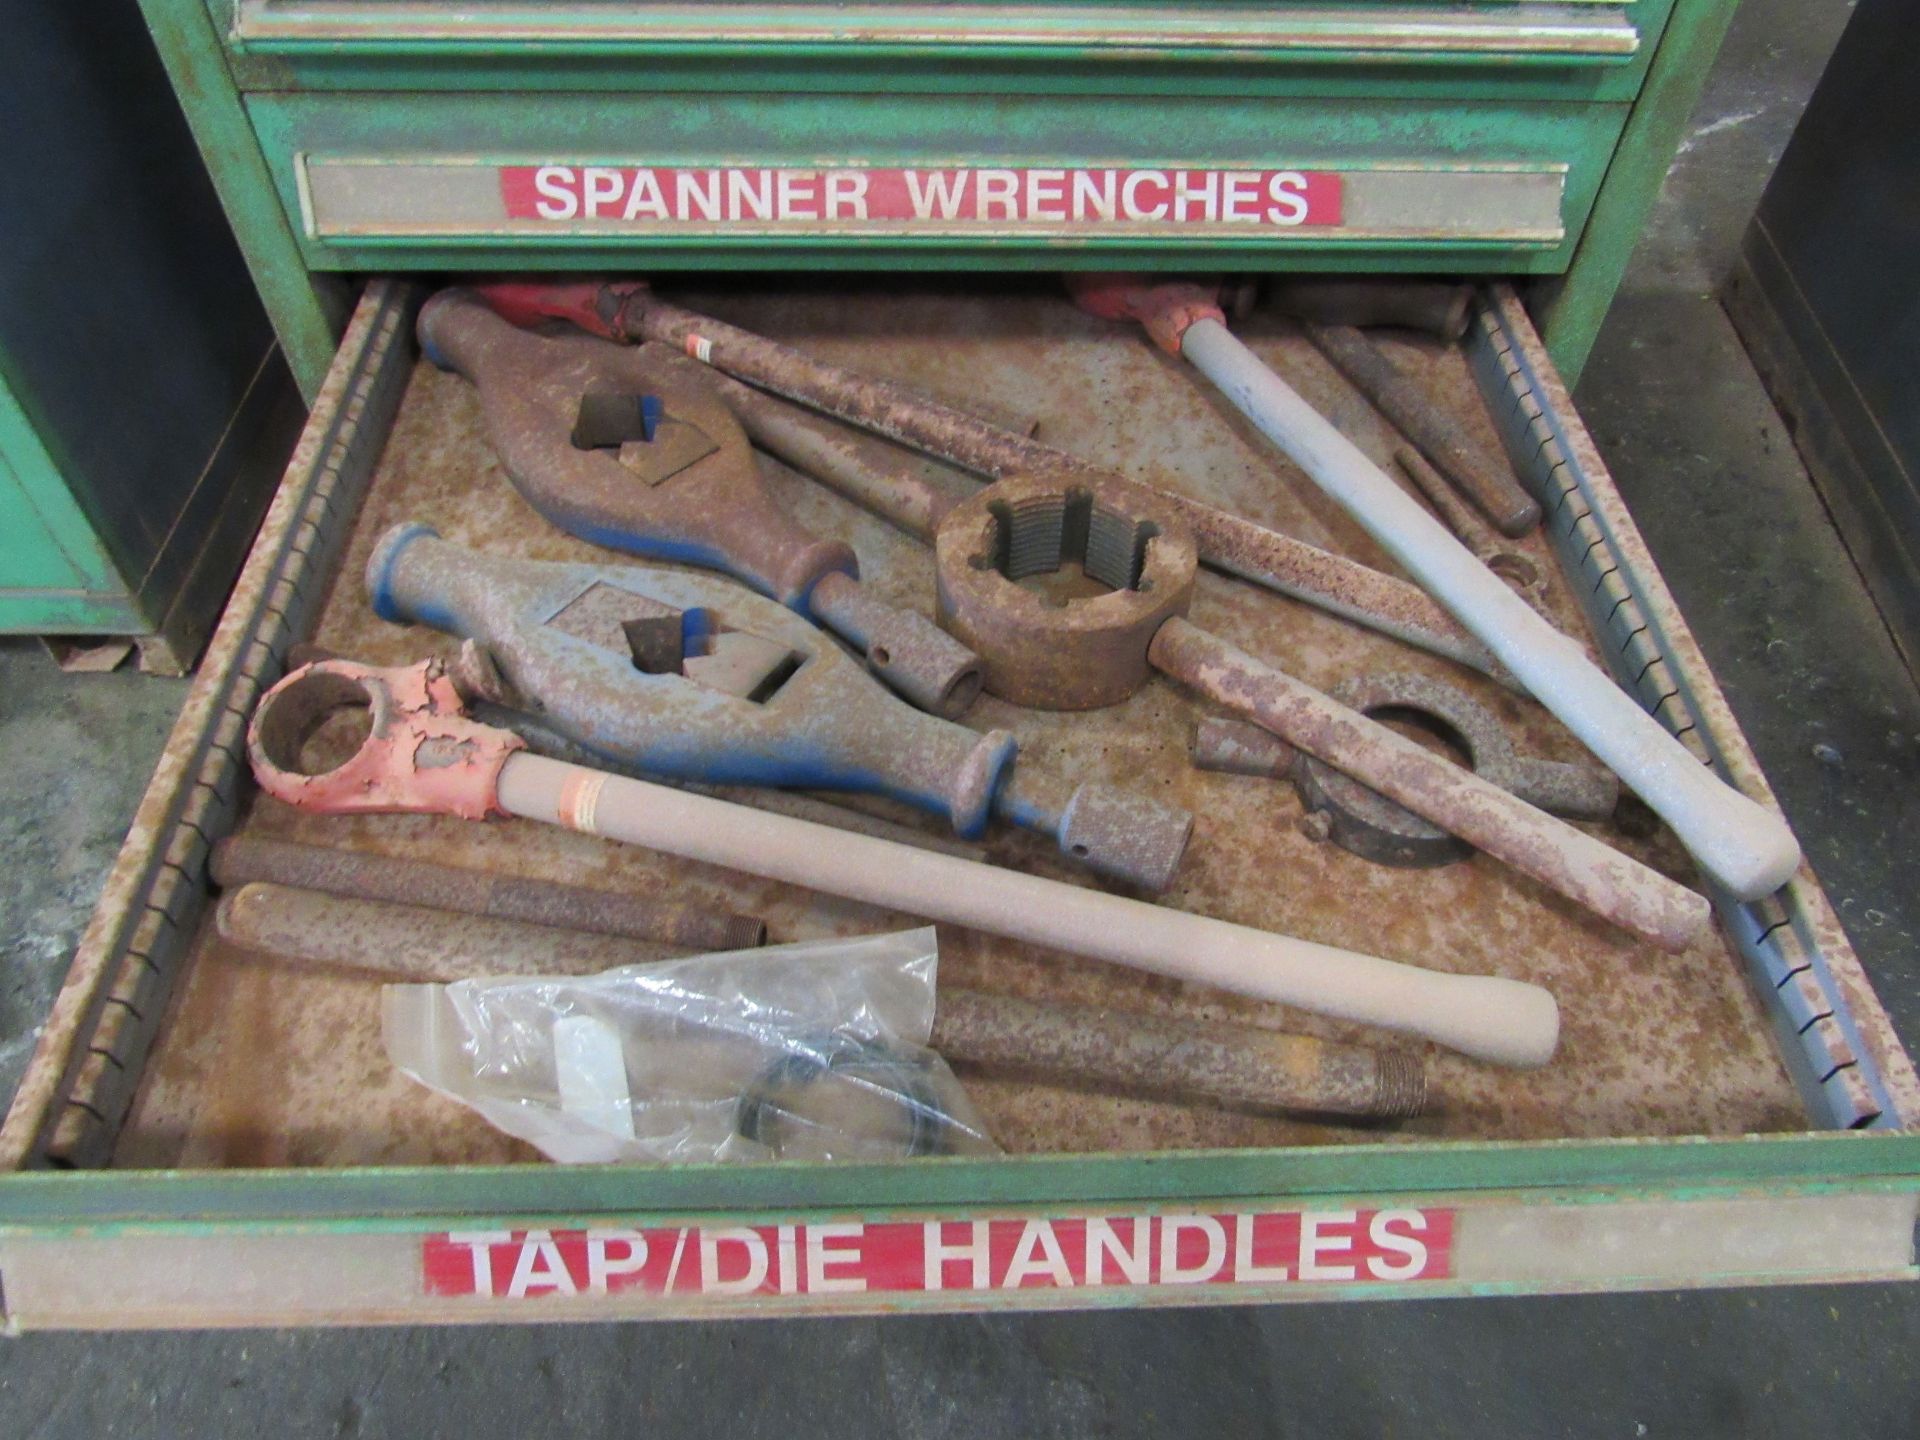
(1745, 847)
(1504, 1021)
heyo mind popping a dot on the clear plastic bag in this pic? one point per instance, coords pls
(811, 1051)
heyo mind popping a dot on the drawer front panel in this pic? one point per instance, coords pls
(1576, 49)
(470, 181)
(1496, 31)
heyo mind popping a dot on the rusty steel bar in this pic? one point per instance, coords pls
(1228, 1065)
(243, 860)
(900, 413)
(411, 942)
(1236, 747)
(1575, 864)
(1485, 479)
(827, 451)
(1513, 566)
(1333, 583)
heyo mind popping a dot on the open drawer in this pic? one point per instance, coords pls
(206, 1137)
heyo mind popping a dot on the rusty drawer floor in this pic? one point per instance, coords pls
(263, 1064)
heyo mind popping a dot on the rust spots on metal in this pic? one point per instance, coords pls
(1515, 567)
(918, 660)
(1228, 1065)
(712, 506)
(1234, 747)
(1575, 864)
(1483, 477)
(1365, 822)
(1049, 648)
(904, 414)
(1334, 583)
(413, 943)
(356, 875)
(832, 454)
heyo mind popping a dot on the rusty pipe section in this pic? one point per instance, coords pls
(1485, 479)
(828, 452)
(1233, 1066)
(1236, 747)
(358, 875)
(405, 942)
(568, 417)
(1567, 860)
(1239, 547)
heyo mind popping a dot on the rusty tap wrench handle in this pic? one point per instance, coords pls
(1746, 848)
(713, 510)
(693, 494)
(1503, 1021)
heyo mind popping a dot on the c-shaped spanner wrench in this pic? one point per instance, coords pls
(690, 491)
(1745, 847)
(694, 677)
(424, 755)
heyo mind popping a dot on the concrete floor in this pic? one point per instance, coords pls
(1814, 678)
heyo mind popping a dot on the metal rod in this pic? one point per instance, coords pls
(1485, 479)
(1741, 844)
(413, 942)
(243, 860)
(1239, 547)
(1485, 816)
(1230, 1065)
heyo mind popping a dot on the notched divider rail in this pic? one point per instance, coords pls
(123, 971)
(1792, 942)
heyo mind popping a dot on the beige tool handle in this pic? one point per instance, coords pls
(1504, 1021)
(1744, 846)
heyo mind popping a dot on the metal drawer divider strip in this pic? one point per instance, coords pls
(81, 1080)
(1797, 956)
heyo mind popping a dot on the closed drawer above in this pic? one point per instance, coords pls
(630, 180)
(1574, 47)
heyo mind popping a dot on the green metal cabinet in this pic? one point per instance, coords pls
(143, 411)
(367, 135)
(200, 1143)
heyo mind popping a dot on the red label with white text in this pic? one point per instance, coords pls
(667, 198)
(975, 1256)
